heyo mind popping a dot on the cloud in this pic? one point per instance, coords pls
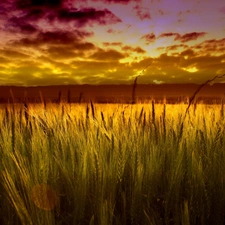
(137, 49)
(85, 16)
(205, 64)
(222, 10)
(4, 60)
(149, 38)
(125, 2)
(212, 46)
(34, 14)
(208, 47)
(188, 53)
(94, 66)
(176, 69)
(185, 37)
(102, 72)
(165, 68)
(189, 36)
(107, 55)
(112, 31)
(27, 28)
(213, 43)
(19, 25)
(13, 54)
(161, 12)
(83, 46)
(21, 21)
(142, 13)
(112, 44)
(78, 49)
(168, 35)
(175, 47)
(63, 53)
(29, 16)
(53, 38)
(26, 4)
(30, 79)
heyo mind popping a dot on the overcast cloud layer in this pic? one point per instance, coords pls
(52, 42)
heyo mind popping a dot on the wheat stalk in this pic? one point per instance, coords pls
(192, 100)
(153, 112)
(140, 116)
(93, 110)
(80, 97)
(134, 91)
(222, 109)
(164, 121)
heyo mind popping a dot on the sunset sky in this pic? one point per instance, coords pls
(53, 42)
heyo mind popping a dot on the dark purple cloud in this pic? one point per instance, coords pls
(26, 4)
(34, 14)
(183, 38)
(112, 43)
(23, 22)
(29, 14)
(117, 1)
(112, 31)
(53, 38)
(211, 46)
(149, 38)
(19, 25)
(61, 37)
(27, 28)
(189, 36)
(86, 15)
(167, 35)
(142, 13)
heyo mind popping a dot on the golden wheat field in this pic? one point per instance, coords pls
(112, 164)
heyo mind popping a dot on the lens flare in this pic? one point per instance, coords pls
(44, 197)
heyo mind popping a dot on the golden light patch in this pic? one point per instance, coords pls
(158, 81)
(44, 197)
(112, 70)
(191, 69)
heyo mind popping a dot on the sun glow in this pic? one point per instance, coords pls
(191, 69)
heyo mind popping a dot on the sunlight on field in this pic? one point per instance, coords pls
(112, 164)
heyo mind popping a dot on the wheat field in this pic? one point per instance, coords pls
(112, 164)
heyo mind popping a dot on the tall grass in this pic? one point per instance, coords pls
(112, 164)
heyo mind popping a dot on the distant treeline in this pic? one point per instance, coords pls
(136, 93)
(126, 100)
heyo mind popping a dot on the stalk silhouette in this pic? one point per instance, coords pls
(192, 100)
(134, 91)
